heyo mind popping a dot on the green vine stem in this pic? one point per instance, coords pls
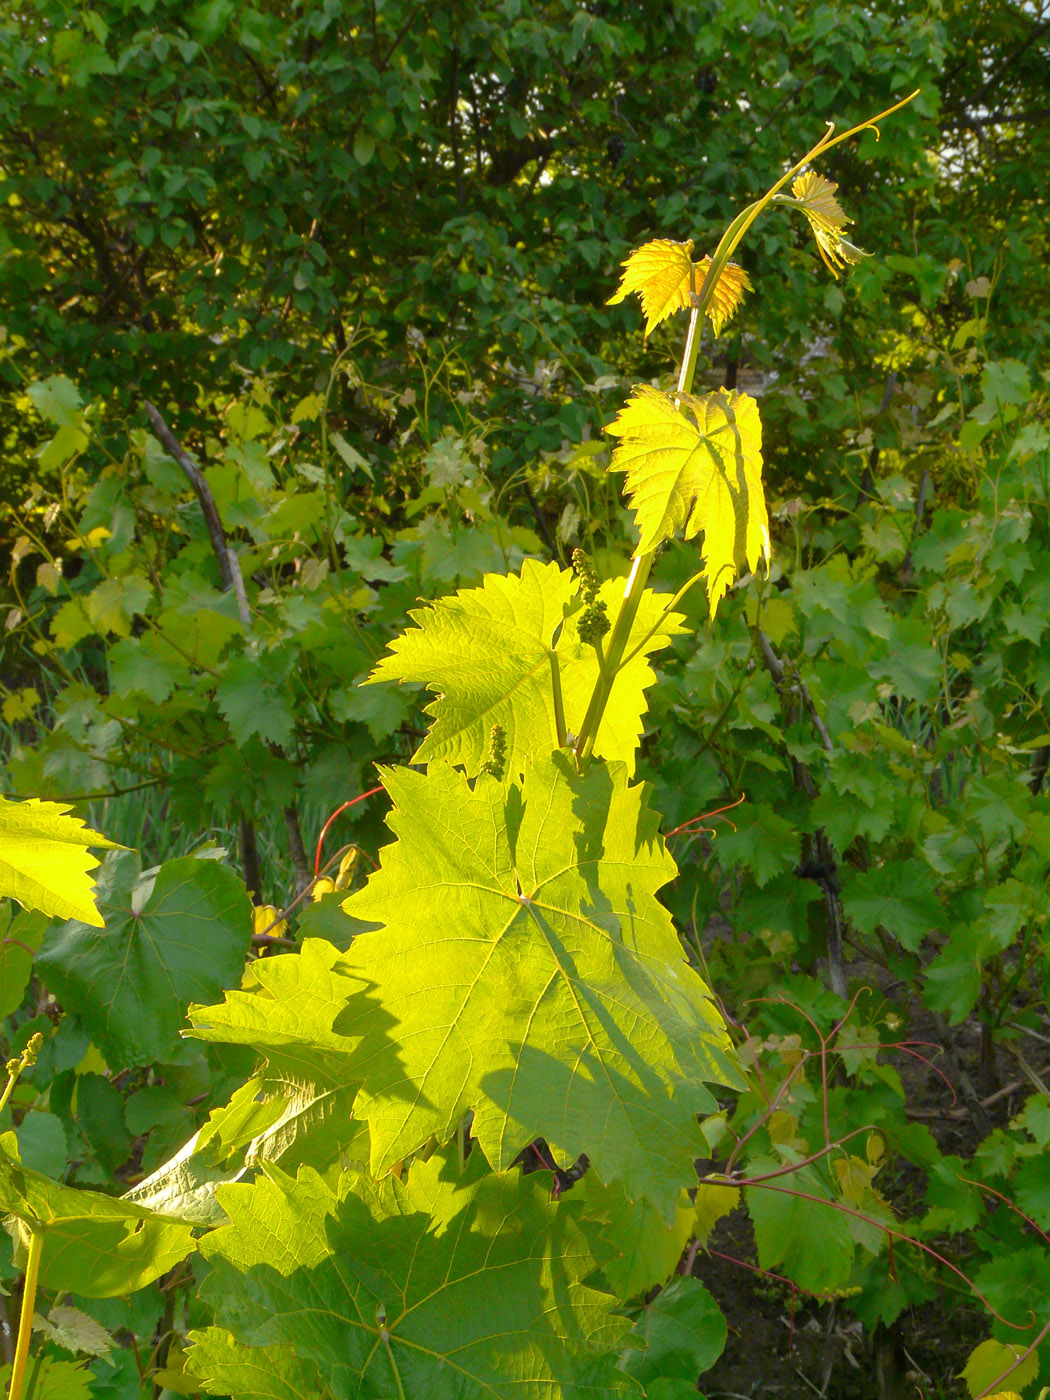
(743, 221)
(636, 580)
(614, 650)
(558, 700)
(25, 1318)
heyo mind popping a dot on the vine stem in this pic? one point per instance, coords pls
(559, 702)
(615, 648)
(12, 1075)
(25, 1320)
(618, 637)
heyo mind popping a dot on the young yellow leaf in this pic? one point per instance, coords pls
(44, 861)
(660, 273)
(715, 1197)
(265, 920)
(729, 292)
(697, 465)
(827, 220)
(854, 1178)
(665, 277)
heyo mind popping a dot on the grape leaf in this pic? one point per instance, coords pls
(253, 1373)
(74, 1331)
(807, 1239)
(729, 291)
(132, 981)
(988, 1361)
(456, 1290)
(299, 1107)
(634, 1245)
(660, 272)
(288, 1016)
(715, 1198)
(665, 277)
(253, 700)
(488, 652)
(54, 1379)
(816, 199)
(44, 860)
(684, 1333)
(19, 939)
(697, 465)
(900, 896)
(183, 1188)
(534, 978)
(94, 1245)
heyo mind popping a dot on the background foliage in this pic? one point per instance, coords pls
(359, 257)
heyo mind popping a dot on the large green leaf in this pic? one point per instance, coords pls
(296, 1109)
(634, 1244)
(683, 1333)
(19, 939)
(696, 464)
(433, 1289)
(900, 896)
(488, 652)
(54, 1380)
(533, 977)
(93, 1244)
(44, 860)
(799, 1231)
(288, 1016)
(179, 939)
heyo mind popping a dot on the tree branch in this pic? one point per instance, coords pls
(229, 564)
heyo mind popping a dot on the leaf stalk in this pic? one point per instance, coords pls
(25, 1319)
(558, 701)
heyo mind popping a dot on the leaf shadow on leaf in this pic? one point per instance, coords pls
(365, 1017)
(441, 1285)
(626, 1123)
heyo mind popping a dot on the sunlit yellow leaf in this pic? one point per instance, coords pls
(44, 860)
(699, 468)
(822, 208)
(265, 920)
(729, 292)
(827, 220)
(660, 273)
(665, 277)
